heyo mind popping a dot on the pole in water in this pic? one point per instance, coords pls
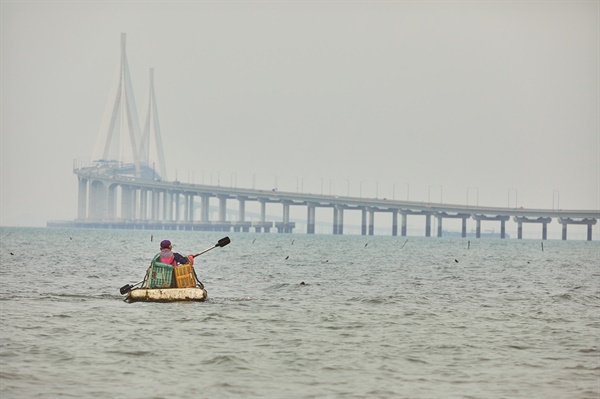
(151, 237)
(469, 246)
(542, 247)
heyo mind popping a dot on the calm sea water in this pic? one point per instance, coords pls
(377, 317)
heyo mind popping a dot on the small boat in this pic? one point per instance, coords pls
(165, 283)
(166, 294)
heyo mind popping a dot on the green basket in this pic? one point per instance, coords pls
(161, 275)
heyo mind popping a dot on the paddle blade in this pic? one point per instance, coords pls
(125, 289)
(223, 241)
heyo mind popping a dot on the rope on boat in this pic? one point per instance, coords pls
(197, 279)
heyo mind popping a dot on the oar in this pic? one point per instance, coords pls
(127, 287)
(221, 243)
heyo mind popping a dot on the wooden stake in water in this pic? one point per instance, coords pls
(469, 246)
(542, 247)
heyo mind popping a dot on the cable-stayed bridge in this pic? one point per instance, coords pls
(127, 187)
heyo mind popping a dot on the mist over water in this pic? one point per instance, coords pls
(377, 317)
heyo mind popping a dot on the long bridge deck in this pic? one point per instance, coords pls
(110, 199)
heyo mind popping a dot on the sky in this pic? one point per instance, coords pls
(494, 102)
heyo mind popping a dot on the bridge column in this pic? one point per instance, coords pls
(371, 222)
(363, 224)
(589, 232)
(502, 229)
(564, 231)
(335, 220)
(143, 204)
(395, 223)
(404, 217)
(544, 231)
(185, 207)
(310, 219)
(285, 225)
(439, 227)
(204, 209)
(263, 211)
(136, 203)
(154, 205)
(478, 229)
(191, 208)
(428, 225)
(464, 228)
(167, 205)
(177, 197)
(263, 216)
(338, 219)
(82, 199)
(98, 200)
(126, 202)
(111, 205)
(242, 209)
(222, 209)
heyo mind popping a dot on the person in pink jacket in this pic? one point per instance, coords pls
(173, 258)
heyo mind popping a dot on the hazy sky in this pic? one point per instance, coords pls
(440, 98)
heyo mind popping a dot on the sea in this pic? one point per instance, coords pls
(300, 316)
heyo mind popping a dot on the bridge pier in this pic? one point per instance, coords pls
(126, 202)
(82, 198)
(371, 221)
(338, 220)
(425, 213)
(445, 215)
(395, 223)
(363, 224)
(567, 221)
(263, 213)
(111, 204)
(143, 204)
(502, 219)
(335, 220)
(310, 219)
(522, 219)
(204, 208)
(242, 209)
(190, 208)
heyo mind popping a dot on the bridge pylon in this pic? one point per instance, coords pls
(120, 141)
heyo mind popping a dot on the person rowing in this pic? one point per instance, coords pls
(174, 259)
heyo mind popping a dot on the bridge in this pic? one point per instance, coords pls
(123, 189)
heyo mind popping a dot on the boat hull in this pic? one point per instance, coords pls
(166, 295)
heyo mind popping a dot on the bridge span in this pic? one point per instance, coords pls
(110, 197)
